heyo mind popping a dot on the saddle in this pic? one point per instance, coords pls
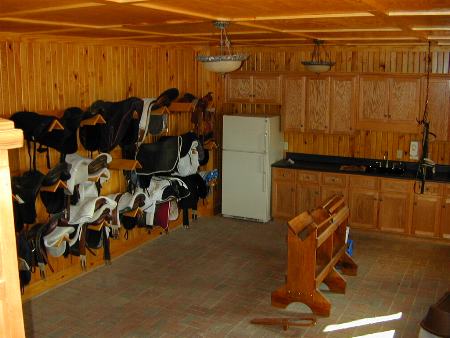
(24, 255)
(36, 130)
(71, 120)
(119, 127)
(55, 202)
(90, 210)
(25, 188)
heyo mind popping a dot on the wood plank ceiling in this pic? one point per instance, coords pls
(254, 23)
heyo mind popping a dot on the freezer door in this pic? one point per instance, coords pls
(245, 186)
(245, 133)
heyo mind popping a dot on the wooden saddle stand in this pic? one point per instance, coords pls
(316, 244)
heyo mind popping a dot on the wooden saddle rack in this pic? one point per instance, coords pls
(316, 244)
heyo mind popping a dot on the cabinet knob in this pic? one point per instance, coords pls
(301, 125)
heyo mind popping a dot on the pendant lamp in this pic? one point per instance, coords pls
(317, 64)
(225, 62)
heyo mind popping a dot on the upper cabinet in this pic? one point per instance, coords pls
(319, 103)
(438, 107)
(388, 103)
(294, 100)
(248, 88)
(343, 103)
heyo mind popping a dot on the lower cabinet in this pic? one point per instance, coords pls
(426, 211)
(283, 193)
(377, 203)
(445, 215)
(307, 197)
(395, 205)
(363, 208)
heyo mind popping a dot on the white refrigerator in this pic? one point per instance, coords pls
(250, 145)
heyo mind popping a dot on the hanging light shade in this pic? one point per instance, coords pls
(317, 64)
(223, 63)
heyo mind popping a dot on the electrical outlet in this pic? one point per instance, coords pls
(414, 150)
(286, 146)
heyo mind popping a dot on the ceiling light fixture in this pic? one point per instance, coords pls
(223, 63)
(317, 64)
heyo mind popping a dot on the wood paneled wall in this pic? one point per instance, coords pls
(362, 59)
(50, 76)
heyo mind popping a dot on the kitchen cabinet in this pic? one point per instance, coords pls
(325, 104)
(343, 104)
(294, 100)
(251, 88)
(283, 193)
(331, 184)
(307, 194)
(445, 213)
(395, 204)
(438, 107)
(389, 103)
(363, 197)
(426, 211)
(317, 116)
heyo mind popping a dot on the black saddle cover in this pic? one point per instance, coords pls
(159, 157)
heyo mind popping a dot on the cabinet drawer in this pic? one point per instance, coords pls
(283, 174)
(308, 176)
(364, 182)
(431, 188)
(334, 179)
(395, 185)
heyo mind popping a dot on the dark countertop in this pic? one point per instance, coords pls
(333, 164)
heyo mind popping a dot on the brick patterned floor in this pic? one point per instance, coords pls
(211, 280)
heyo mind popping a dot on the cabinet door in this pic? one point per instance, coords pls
(307, 197)
(363, 208)
(373, 101)
(283, 199)
(438, 107)
(317, 104)
(425, 219)
(445, 218)
(266, 89)
(394, 211)
(293, 110)
(404, 103)
(327, 191)
(239, 88)
(343, 104)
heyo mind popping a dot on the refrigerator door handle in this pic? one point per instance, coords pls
(264, 173)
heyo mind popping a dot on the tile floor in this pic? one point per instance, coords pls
(211, 280)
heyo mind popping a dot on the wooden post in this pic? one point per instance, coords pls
(11, 316)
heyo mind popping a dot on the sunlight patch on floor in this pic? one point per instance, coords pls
(362, 322)
(383, 334)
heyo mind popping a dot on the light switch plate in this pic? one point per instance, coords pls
(399, 154)
(414, 150)
(286, 146)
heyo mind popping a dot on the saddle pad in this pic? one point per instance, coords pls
(159, 157)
